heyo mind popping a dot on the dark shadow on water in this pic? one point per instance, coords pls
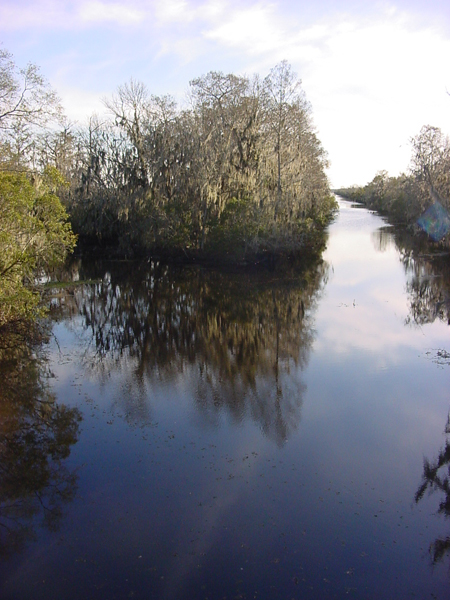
(436, 480)
(36, 435)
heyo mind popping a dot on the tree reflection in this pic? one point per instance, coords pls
(36, 434)
(240, 338)
(428, 290)
(428, 278)
(382, 238)
(436, 478)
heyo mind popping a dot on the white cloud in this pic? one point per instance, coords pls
(372, 89)
(99, 12)
(186, 49)
(173, 11)
(15, 16)
(79, 104)
(254, 30)
(372, 82)
(54, 15)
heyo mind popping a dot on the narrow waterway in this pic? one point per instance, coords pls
(239, 435)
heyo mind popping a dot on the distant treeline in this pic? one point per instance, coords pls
(405, 198)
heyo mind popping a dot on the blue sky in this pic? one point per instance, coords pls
(374, 72)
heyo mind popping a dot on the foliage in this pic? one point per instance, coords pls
(405, 198)
(34, 233)
(34, 236)
(236, 174)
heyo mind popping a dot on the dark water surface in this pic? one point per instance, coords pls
(242, 435)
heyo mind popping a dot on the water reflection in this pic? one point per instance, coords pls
(382, 238)
(428, 289)
(436, 479)
(427, 272)
(36, 434)
(239, 338)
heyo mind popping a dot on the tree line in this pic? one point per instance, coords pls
(236, 174)
(238, 171)
(406, 197)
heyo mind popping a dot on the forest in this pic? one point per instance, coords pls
(235, 175)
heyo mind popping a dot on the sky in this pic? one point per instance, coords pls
(374, 72)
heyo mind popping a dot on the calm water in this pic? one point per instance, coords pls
(241, 435)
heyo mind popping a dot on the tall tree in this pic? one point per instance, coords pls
(34, 233)
(27, 102)
(226, 111)
(294, 160)
(430, 164)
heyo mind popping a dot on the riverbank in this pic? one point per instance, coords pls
(399, 216)
(301, 244)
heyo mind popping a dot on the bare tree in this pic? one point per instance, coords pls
(130, 109)
(27, 102)
(430, 163)
(281, 92)
(25, 94)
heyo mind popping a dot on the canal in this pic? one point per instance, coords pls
(189, 433)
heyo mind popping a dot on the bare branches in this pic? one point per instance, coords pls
(25, 95)
(430, 164)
